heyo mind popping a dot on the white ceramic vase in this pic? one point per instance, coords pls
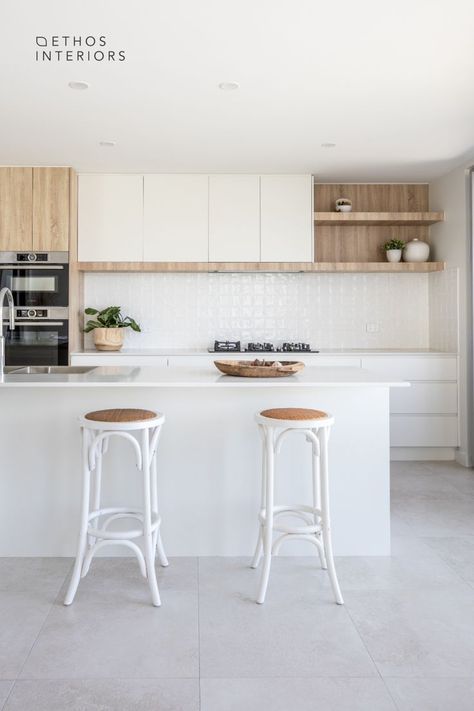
(393, 255)
(416, 251)
(108, 339)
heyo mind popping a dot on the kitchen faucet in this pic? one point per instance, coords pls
(11, 311)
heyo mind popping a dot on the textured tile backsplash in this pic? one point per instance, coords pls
(327, 310)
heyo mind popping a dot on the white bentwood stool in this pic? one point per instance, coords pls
(274, 426)
(97, 429)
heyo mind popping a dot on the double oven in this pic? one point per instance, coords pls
(39, 282)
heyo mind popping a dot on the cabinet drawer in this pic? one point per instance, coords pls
(425, 398)
(413, 367)
(317, 361)
(423, 431)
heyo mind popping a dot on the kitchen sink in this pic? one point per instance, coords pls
(48, 370)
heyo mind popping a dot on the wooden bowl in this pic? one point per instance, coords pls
(248, 369)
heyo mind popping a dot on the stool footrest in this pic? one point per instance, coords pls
(310, 515)
(114, 514)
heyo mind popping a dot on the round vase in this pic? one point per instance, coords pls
(108, 339)
(416, 251)
(393, 255)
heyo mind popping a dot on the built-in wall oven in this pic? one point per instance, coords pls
(36, 278)
(39, 282)
(40, 337)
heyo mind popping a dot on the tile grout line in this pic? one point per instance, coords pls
(4, 705)
(199, 628)
(51, 608)
(371, 657)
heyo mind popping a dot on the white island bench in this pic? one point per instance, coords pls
(208, 459)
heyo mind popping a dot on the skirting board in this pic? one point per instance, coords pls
(420, 454)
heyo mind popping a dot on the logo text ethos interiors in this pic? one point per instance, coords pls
(75, 48)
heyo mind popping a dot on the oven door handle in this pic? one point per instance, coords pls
(42, 324)
(12, 267)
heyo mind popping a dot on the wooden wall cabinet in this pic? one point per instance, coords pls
(110, 218)
(234, 218)
(34, 209)
(176, 215)
(50, 209)
(16, 209)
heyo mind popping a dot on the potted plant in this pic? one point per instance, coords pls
(343, 205)
(393, 249)
(108, 326)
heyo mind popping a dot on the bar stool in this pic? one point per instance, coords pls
(274, 426)
(97, 429)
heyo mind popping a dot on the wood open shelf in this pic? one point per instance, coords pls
(378, 218)
(225, 267)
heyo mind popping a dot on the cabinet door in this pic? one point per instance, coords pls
(110, 220)
(176, 218)
(51, 209)
(16, 200)
(286, 218)
(234, 218)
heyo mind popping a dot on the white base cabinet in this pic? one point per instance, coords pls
(424, 415)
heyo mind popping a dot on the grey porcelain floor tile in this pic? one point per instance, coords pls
(423, 477)
(457, 552)
(432, 694)
(134, 640)
(22, 614)
(298, 632)
(39, 574)
(105, 695)
(412, 566)
(429, 514)
(424, 634)
(399, 527)
(119, 580)
(5, 687)
(298, 694)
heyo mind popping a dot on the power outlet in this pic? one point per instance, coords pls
(372, 327)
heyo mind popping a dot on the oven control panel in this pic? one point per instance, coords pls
(32, 257)
(32, 313)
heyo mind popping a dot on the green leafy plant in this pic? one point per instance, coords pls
(109, 318)
(393, 244)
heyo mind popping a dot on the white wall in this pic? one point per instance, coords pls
(327, 310)
(450, 243)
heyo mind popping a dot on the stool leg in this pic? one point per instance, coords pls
(317, 496)
(97, 489)
(326, 523)
(268, 527)
(82, 543)
(157, 543)
(258, 547)
(147, 532)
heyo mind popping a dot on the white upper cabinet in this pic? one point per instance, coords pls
(286, 218)
(110, 218)
(176, 218)
(234, 218)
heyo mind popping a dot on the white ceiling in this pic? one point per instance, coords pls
(392, 84)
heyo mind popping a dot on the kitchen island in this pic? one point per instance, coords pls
(208, 457)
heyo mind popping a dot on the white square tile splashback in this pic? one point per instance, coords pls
(326, 310)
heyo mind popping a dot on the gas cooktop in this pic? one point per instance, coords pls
(236, 347)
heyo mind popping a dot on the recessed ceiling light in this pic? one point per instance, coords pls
(229, 85)
(107, 144)
(78, 85)
(328, 145)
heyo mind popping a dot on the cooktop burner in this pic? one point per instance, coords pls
(235, 347)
